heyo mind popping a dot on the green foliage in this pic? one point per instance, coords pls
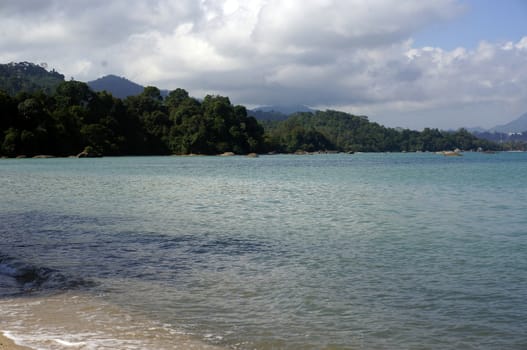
(28, 77)
(211, 127)
(9, 144)
(339, 131)
(74, 118)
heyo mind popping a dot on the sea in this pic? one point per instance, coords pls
(330, 251)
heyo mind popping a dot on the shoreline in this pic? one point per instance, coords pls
(256, 155)
(7, 343)
(78, 320)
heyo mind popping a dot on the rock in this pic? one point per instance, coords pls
(89, 152)
(86, 154)
(252, 155)
(43, 156)
(451, 154)
(227, 154)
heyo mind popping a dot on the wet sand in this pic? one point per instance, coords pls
(8, 344)
(70, 321)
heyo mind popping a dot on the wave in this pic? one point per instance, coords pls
(20, 278)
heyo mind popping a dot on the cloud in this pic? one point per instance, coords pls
(347, 54)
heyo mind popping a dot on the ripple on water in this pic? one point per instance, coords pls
(325, 252)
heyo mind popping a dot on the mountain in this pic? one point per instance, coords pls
(278, 112)
(516, 126)
(117, 86)
(476, 129)
(28, 77)
(268, 116)
(285, 109)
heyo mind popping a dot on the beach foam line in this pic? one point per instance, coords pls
(69, 344)
(8, 342)
(79, 321)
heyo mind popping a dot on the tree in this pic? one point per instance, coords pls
(8, 111)
(11, 140)
(176, 98)
(73, 93)
(148, 108)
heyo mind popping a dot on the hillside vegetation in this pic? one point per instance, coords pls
(71, 118)
(28, 77)
(333, 130)
(75, 118)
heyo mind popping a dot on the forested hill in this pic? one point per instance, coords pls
(28, 77)
(333, 130)
(118, 86)
(65, 118)
(76, 119)
(278, 112)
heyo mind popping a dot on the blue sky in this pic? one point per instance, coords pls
(408, 63)
(489, 20)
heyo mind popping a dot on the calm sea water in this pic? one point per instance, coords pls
(364, 251)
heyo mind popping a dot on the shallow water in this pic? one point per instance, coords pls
(371, 251)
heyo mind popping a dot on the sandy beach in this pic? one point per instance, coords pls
(71, 320)
(8, 344)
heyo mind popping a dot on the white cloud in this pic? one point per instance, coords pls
(522, 44)
(339, 53)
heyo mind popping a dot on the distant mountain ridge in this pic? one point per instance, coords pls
(516, 126)
(118, 86)
(514, 131)
(278, 112)
(285, 109)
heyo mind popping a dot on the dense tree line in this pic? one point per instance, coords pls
(339, 131)
(75, 118)
(40, 113)
(28, 77)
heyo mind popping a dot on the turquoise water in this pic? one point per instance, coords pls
(364, 251)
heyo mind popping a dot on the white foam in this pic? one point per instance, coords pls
(213, 336)
(15, 339)
(69, 344)
(70, 321)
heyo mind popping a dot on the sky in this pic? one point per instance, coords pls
(403, 63)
